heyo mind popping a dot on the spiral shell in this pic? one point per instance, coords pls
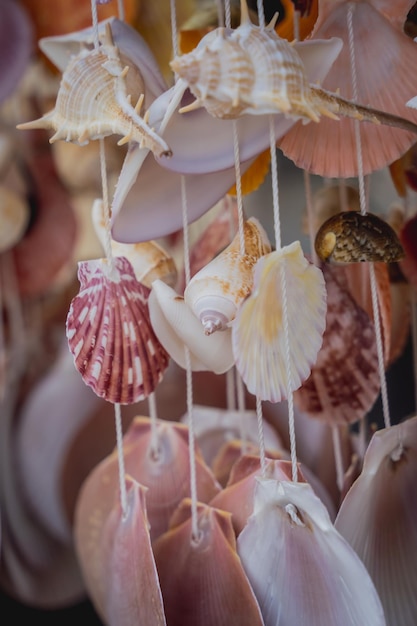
(216, 291)
(110, 335)
(92, 102)
(351, 236)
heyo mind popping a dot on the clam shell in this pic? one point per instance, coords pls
(350, 237)
(344, 382)
(93, 102)
(14, 218)
(216, 291)
(384, 499)
(110, 335)
(258, 332)
(176, 327)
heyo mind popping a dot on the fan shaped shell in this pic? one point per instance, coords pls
(110, 335)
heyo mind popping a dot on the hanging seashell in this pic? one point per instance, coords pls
(258, 332)
(14, 218)
(110, 335)
(148, 259)
(216, 291)
(92, 102)
(176, 327)
(351, 236)
(384, 499)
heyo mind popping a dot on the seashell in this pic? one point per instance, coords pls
(216, 291)
(14, 218)
(258, 331)
(329, 149)
(93, 102)
(344, 382)
(176, 327)
(384, 499)
(202, 579)
(110, 335)
(148, 259)
(350, 237)
(301, 569)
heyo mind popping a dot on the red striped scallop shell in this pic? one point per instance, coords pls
(110, 334)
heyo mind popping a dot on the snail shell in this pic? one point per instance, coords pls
(350, 237)
(93, 102)
(216, 291)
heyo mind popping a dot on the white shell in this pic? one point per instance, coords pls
(176, 327)
(258, 333)
(216, 291)
(93, 102)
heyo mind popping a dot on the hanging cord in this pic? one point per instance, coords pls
(153, 416)
(227, 14)
(174, 31)
(94, 19)
(121, 10)
(261, 13)
(362, 198)
(241, 227)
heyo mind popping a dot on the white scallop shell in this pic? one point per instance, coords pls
(110, 335)
(93, 102)
(176, 327)
(216, 291)
(258, 335)
(148, 259)
(14, 218)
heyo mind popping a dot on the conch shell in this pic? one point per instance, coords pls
(216, 291)
(93, 102)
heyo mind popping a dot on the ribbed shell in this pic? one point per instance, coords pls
(110, 334)
(92, 102)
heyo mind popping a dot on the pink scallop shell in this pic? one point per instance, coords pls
(110, 334)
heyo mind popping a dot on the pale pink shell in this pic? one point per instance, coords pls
(110, 334)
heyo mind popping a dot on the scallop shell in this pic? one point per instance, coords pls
(148, 259)
(110, 335)
(216, 291)
(176, 327)
(92, 102)
(14, 218)
(258, 332)
(350, 237)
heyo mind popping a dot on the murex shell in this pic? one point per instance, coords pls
(350, 237)
(216, 291)
(92, 102)
(110, 334)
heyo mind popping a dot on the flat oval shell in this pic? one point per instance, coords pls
(110, 334)
(350, 237)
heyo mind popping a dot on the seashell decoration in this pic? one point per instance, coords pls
(14, 218)
(110, 335)
(258, 331)
(216, 291)
(93, 102)
(351, 236)
(148, 259)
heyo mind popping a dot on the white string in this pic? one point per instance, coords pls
(274, 180)
(94, 20)
(338, 458)
(120, 458)
(174, 32)
(231, 389)
(186, 240)
(296, 25)
(261, 13)
(228, 14)
(261, 437)
(153, 416)
(241, 228)
(121, 10)
(362, 198)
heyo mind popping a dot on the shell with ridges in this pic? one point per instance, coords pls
(110, 335)
(258, 331)
(216, 291)
(350, 237)
(93, 102)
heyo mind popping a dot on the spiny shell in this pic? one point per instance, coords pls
(110, 335)
(258, 332)
(92, 102)
(246, 70)
(216, 291)
(149, 260)
(14, 218)
(350, 237)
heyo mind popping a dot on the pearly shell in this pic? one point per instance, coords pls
(350, 237)
(93, 102)
(258, 332)
(14, 218)
(216, 291)
(148, 259)
(110, 335)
